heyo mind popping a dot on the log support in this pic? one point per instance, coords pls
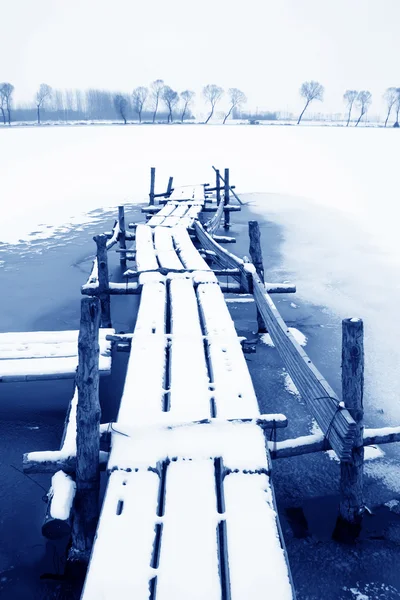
(122, 236)
(257, 258)
(169, 187)
(86, 508)
(351, 505)
(103, 286)
(152, 184)
(217, 186)
(227, 215)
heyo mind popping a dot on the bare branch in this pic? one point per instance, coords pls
(213, 93)
(237, 98)
(363, 101)
(187, 97)
(349, 97)
(121, 106)
(139, 97)
(311, 90)
(156, 89)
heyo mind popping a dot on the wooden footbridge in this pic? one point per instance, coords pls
(189, 510)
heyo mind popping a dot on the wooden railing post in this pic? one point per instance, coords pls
(351, 473)
(227, 214)
(152, 184)
(102, 266)
(217, 185)
(86, 507)
(122, 236)
(169, 188)
(257, 259)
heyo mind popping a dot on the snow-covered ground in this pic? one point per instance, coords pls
(334, 191)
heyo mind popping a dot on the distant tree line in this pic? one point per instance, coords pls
(160, 102)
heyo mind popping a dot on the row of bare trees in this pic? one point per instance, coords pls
(103, 104)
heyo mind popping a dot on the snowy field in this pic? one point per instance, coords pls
(334, 191)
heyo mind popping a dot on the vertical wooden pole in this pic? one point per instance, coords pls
(87, 433)
(152, 184)
(257, 259)
(102, 266)
(121, 237)
(169, 188)
(351, 473)
(226, 199)
(217, 184)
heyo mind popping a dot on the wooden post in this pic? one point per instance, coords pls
(87, 433)
(169, 188)
(122, 236)
(217, 186)
(152, 184)
(102, 266)
(226, 199)
(351, 473)
(257, 259)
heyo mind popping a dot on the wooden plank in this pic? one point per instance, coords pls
(121, 562)
(257, 560)
(32, 369)
(188, 254)
(158, 218)
(176, 216)
(146, 258)
(23, 338)
(188, 369)
(189, 555)
(234, 393)
(164, 245)
(38, 350)
(320, 398)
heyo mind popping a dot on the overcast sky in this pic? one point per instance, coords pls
(267, 48)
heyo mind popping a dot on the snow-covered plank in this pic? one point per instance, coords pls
(176, 216)
(46, 350)
(146, 258)
(158, 218)
(166, 253)
(46, 337)
(256, 558)
(188, 192)
(31, 369)
(187, 251)
(120, 565)
(188, 565)
(189, 383)
(233, 389)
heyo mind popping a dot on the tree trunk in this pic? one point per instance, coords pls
(387, 116)
(9, 115)
(227, 114)
(4, 115)
(348, 120)
(38, 115)
(140, 115)
(304, 110)
(155, 111)
(210, 115)
(184, 113)
(360, 117)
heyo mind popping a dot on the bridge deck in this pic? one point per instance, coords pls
(189, 510)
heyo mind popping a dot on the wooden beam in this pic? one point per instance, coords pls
(152, 184)
(224, 239)
(87, 433)
(230, 187)
(227, 208)
(169, 187)
(103, 285)
(217, 185)
(351, 472)
(257, 259)
(150, 209)
(280, 288)
(333, 418)
(122, 236)
(57, 461)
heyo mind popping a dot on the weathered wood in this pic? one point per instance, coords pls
(87, 435)
(257, 259)
(351, 472)
(231, 189)
(227, 208)
(152, 184)
(224, 239)
(122, 236)
(334, 420)
(114, 289)
(150, 209)
(103, 286)
(280, 288)
(217, 186)
(57, 461)
(169, 187)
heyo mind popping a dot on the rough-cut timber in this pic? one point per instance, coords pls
(122, 235)
(87, 439)
(257, 259)
(102, 266)
(351, 473)
(324, 405)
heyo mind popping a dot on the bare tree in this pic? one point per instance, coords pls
(363, 101)
(3, 103)
(187, 97)
(311, 90)
(171, 99)
(6, 92)
(121, 106)
(213, 93)
(349, 97)
(139, 96)
(390, 96)
(397, 107)
(156, 89)
(237, 98)
(42, 95)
